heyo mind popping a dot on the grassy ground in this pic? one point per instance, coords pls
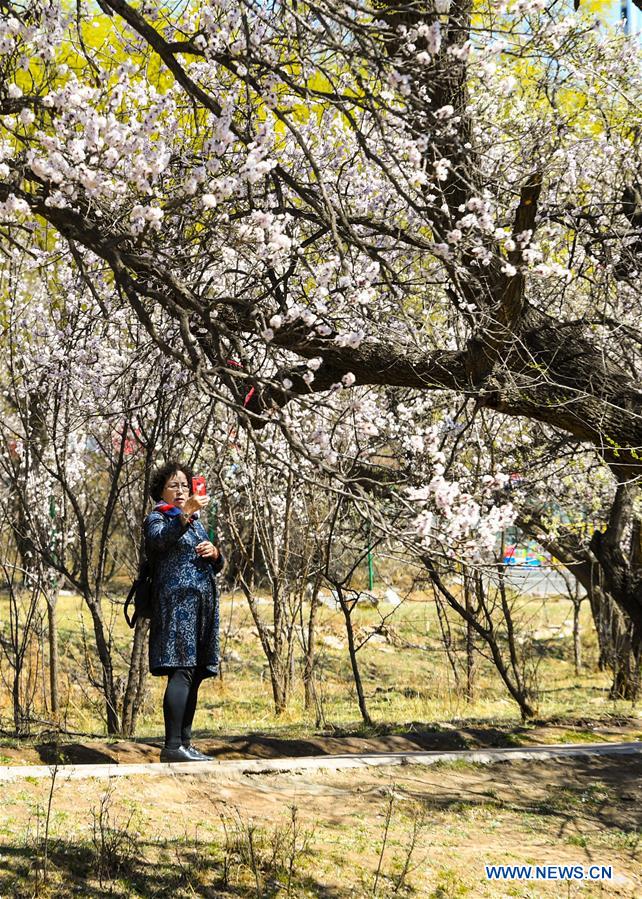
(423, 832)
(201, 836)
(406, 674)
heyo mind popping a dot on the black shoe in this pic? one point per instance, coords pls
(176, 755)
(197, 756)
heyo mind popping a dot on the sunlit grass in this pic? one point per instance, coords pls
(408, 680)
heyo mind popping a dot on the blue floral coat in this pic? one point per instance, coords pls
(184, 628)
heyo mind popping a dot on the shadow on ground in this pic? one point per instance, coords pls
(601, 791)
(587, 809)
(118, 866)
(415, 736)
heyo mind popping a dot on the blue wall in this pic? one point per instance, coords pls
(622, 9)
(633, 17)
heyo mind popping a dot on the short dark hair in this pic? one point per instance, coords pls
(162, 475)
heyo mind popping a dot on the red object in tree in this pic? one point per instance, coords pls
(251, 391)
(131, 442)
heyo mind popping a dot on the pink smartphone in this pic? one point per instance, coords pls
(199, 487)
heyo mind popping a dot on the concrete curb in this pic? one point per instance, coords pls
(233, 767)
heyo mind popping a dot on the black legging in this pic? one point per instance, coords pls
(179, 705)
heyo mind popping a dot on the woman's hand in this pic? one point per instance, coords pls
(207, 550)
(194, 504)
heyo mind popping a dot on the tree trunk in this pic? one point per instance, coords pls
(577, 642)
(612, 582)
(446, 638)
(347, 609)
(18, 714)
(279, 678)
(621, 574)
(52, 600)
(509, 673)
(626, 668)
(602, 614)
(135, 688)
(107, 671)
(470, 646)
(615, 641)
(310, 649)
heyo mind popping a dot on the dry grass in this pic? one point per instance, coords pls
(209, 838)
(406, 675)
(332, 835)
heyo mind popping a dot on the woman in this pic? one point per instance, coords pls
(183, 638)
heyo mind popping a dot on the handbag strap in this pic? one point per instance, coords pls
(129, 602)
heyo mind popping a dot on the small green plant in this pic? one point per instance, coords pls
(578, 839)
(404, 866)
(449, 886)
(191, 860)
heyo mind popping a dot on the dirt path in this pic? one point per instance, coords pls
(576, 811)
(228, 768)
(87, 751)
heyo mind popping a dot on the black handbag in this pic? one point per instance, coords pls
(141, 595)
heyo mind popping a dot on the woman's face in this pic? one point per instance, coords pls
(176, 489)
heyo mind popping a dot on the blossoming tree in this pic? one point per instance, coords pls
(89, 403)
(298, 199)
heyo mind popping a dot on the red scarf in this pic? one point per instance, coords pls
(172, 511)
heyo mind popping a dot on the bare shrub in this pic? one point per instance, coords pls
(112, 839)
(271, 856)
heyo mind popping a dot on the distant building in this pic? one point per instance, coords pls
(631, 15)
(614, 11)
